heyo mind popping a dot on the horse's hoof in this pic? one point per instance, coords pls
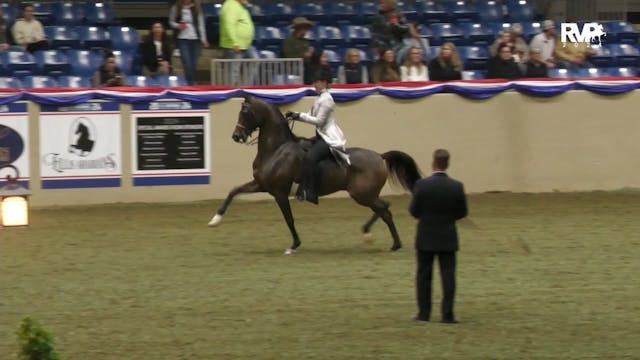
(215, 221)
(290, 251)
(395, 247)
(367, 237)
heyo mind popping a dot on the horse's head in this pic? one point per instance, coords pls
(248, 122)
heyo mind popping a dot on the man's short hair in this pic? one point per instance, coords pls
(441, 159)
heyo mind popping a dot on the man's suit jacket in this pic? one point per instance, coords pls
(438, 201)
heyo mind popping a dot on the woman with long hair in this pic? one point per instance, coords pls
(186, 18)
(447, 65)
(156, 51)
(414, 68)
(385, 69)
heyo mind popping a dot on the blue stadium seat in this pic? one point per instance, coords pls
(267, 54)
(211, 11)
(124, 60)
(39, 81)
(473, 74)
(357, 34)
(84, 62)
(50, 61)
(409, 11)
(621, 71)
(94, 37)
(498, 27)
(625, 54)
(521, 10)
(61, 37)
(620, 32)
(426, 33)
(43, 12)
(9, 12)
(10, 83)
(559, 73)
(329, 35)
(490, 11)
(445, 32)
(474, 57)
(124, 38)
(67, 13)
(590, 72)
(432, 12)
(478, 34)
(258, 13)
(603, 57)
(280, 12)
(16, 60)
(72, 81)
(99, 13)
(462, 11)
(366, 9)
(340, 11)
(269, 35)
(171, 80)
(530, 29)
(311, 10)
(333, 56)
(140, 80)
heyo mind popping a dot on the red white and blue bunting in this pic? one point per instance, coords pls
(472, 89)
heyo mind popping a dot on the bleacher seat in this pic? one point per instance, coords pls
(61, 37)
(267, 54)
(365, 9)
(340, 11)
(18, 61)
(140, 80)
(72, 81)
(333, 56)
(67, 13)
(311, 10)
(258, 13)
(432, 12)
(603, 57)
(211, 11)
(39, 81)
(43, 12)
(171, 80)
(99, 13)
(10, 83)
(280, 12)
(620, 32)
(269, 35)
(590, 72)
(357, 34)
(559, 73)
(530, 29)
(52, 61)
(498, 27)
(473, 74)
(474, 57)
(409, 11)
(490, 11)
(478, 34)
(621, 71)
(84, 62)
(625, 54)
(124, 60)
(521, 10)
(124, 38)
(447, 32)
(462, 11)
(329, 35)
(9, 12)
(94, 37)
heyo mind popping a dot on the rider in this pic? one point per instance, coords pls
(329, 136)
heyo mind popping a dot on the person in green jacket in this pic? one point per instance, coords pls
(236, 33)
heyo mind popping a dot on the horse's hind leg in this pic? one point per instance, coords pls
(366, 228)
(250, 187)
(285, 207)
(381, 208)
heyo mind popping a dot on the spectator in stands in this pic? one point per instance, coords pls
(317, 62)
(571, 57)
(156, 51)
(4, 43)
(545, 41)
(447, 66)
(385, 69)
(521, 54)
(504, 38)
(28, 31)
(353, 71)
(414, 68)
(108, 74)
(391, 30)
(296, 45)
(502, 66)
(185, 17)
(236, 34)
(535, 66)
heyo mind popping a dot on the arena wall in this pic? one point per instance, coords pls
(573, 142)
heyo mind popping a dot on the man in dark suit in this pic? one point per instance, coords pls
(438, 201)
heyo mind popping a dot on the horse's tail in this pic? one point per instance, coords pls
(402, 168)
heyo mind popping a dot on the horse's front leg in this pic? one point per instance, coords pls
(285, 207)
(250, 187)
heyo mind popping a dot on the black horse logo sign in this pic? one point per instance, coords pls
(83, 135)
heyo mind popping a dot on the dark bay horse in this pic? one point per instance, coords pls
(279, 159)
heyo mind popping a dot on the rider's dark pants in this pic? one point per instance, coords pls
(310, 169)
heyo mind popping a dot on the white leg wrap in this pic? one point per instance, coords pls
(215, 221)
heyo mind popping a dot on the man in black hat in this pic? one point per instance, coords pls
(296, 45)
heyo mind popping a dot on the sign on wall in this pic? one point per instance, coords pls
(80, 146)
(14, 141)
(170, 143)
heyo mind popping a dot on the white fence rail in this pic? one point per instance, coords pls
(247, 72)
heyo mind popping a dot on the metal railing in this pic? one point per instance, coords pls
(247, 72)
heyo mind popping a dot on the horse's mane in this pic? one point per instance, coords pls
(276, 114)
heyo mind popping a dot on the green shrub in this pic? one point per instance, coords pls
(35, 342)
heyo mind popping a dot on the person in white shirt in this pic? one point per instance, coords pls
(545, 41)
(28, 31)
(414, 68)
(330, 137)
(187, 19)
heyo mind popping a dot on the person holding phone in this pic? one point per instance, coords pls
(108, 74)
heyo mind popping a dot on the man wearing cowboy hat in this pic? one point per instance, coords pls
(296, 46)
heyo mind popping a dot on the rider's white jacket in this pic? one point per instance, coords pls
(322, 115)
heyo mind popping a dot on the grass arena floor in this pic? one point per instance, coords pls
(544, 276)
